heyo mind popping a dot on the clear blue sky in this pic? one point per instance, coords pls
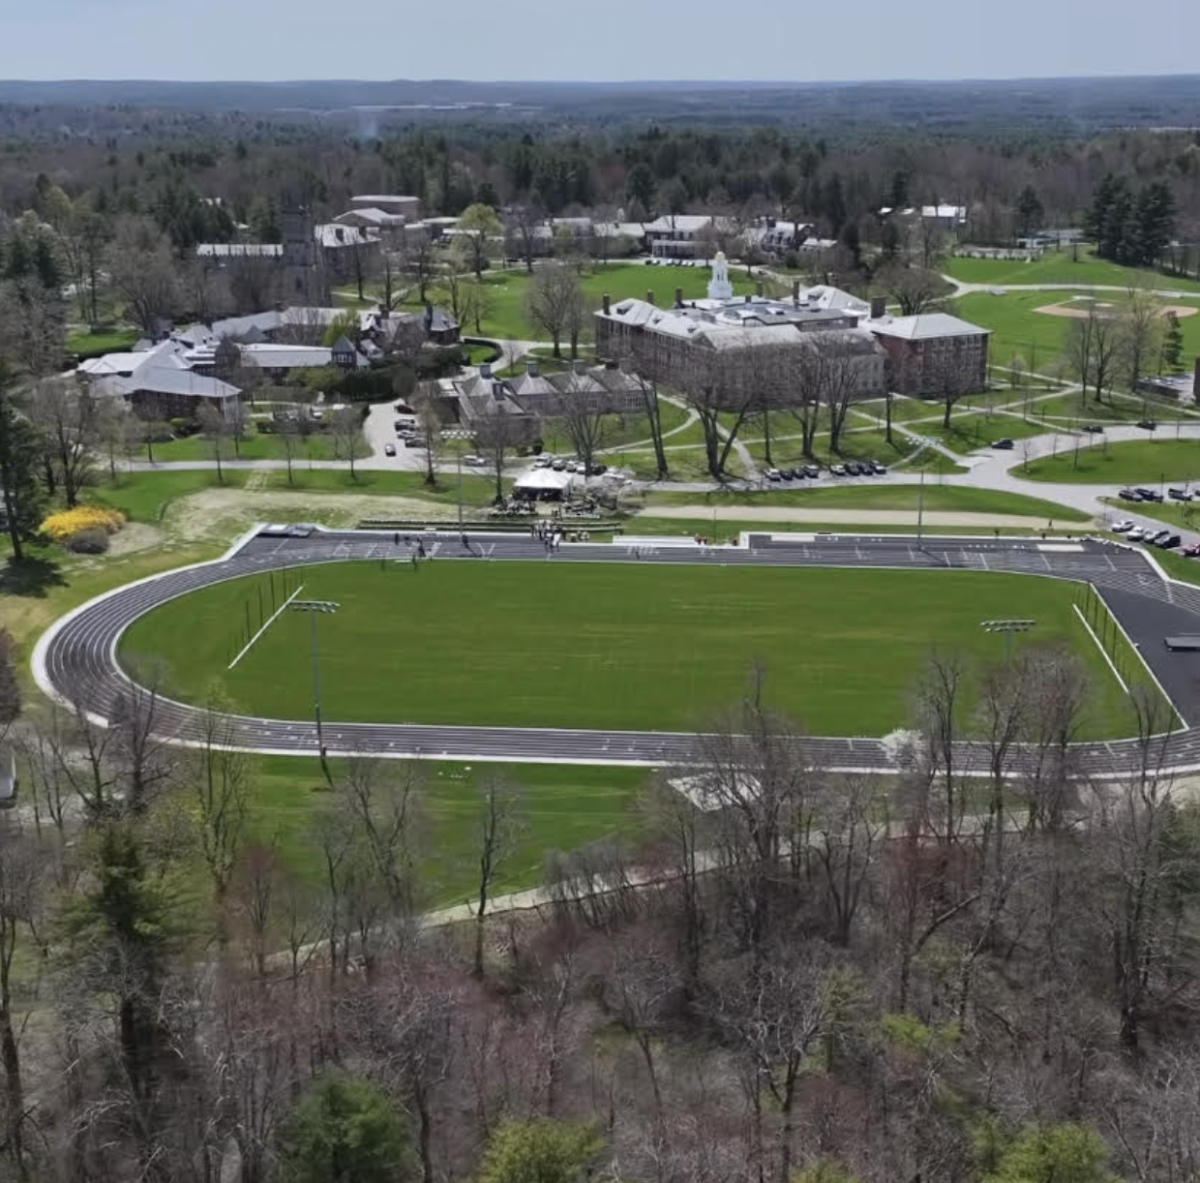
(594, 39)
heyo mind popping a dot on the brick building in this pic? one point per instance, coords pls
(933, 353)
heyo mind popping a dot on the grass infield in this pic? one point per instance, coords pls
(605, 646)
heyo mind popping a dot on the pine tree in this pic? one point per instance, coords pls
(1172, 344)
(1155, 218)
(20, 493)
(1029, 211)
(1096, 217)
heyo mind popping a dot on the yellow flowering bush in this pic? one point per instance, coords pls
(61, 526)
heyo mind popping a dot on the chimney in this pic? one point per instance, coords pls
(607, 303)
(795, 291)
(759, 290)
(531, 368)
(650, 296)
(485, 369)
(679, 297)
(878, 307)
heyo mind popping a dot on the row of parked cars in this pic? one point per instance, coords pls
(1154, 536)
(559, 464)
(812, 472)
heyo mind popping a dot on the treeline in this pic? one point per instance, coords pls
(788, 975)
(645, 170)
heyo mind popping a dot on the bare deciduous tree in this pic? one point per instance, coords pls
(499, 828)
(556, 305)
(143, 271)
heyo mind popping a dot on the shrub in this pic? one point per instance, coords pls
(92, 541)
(61, 526)
(184, 427)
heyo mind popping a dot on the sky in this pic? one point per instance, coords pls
(616, 40)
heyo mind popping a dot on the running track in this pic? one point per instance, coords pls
(75, 659)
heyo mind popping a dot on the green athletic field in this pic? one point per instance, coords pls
(607, 646)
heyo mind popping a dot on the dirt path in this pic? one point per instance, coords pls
(837, 517)
(224, 513)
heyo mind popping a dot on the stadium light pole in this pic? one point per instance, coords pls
(1007, 627)
(313, 608)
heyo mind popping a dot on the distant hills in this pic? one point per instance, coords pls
(1065, 104)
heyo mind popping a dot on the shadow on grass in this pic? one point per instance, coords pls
(32, 576)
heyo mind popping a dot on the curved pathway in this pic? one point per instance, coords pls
(76, 662)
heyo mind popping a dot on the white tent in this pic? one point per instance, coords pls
(543, 483)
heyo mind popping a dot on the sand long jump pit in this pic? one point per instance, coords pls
(1080, 307)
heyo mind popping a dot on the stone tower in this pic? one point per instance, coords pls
(304, 278)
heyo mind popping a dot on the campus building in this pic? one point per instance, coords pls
(933, 353)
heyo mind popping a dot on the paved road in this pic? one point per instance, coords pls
(75, 659)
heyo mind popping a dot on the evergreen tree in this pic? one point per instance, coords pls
(1154, 217)
(20, 492)
(833, 205)
(344, 1131)
(1029, 211)
(1172, 343)
(639, 185)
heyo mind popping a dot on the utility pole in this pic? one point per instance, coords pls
(460, 495)
(313, 607)
(920, 507)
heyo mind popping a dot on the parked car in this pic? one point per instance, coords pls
(878, 469)
(1122, 527)
(1151, 495)
(1147, 424)
(786, 473)
(799, 473)
(416, 441)
(1193, 551)
(1136, 534)
(543, 462)
(1005, 444)
(1177, 494)
(773, 474)
(598, 470)
(1157, 538)
(852, 468)
(1169, 543)
(838, 470)
(1094, 428)
(559, 466)
(389, 449)
(812, 471)
(1128, 495)
(474, 461)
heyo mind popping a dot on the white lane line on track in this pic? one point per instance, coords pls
(270, 621)
(1103, 652)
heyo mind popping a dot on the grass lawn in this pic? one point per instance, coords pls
(950, 498)
(256, 446)
(728, 530)
(507, 315)
(1036, 337)
(1184, 514)
(1136, 462)
(620, 646)
(565, 806)
(89, 344)
(1118, 408)
(1059, 267)
(969, 432)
